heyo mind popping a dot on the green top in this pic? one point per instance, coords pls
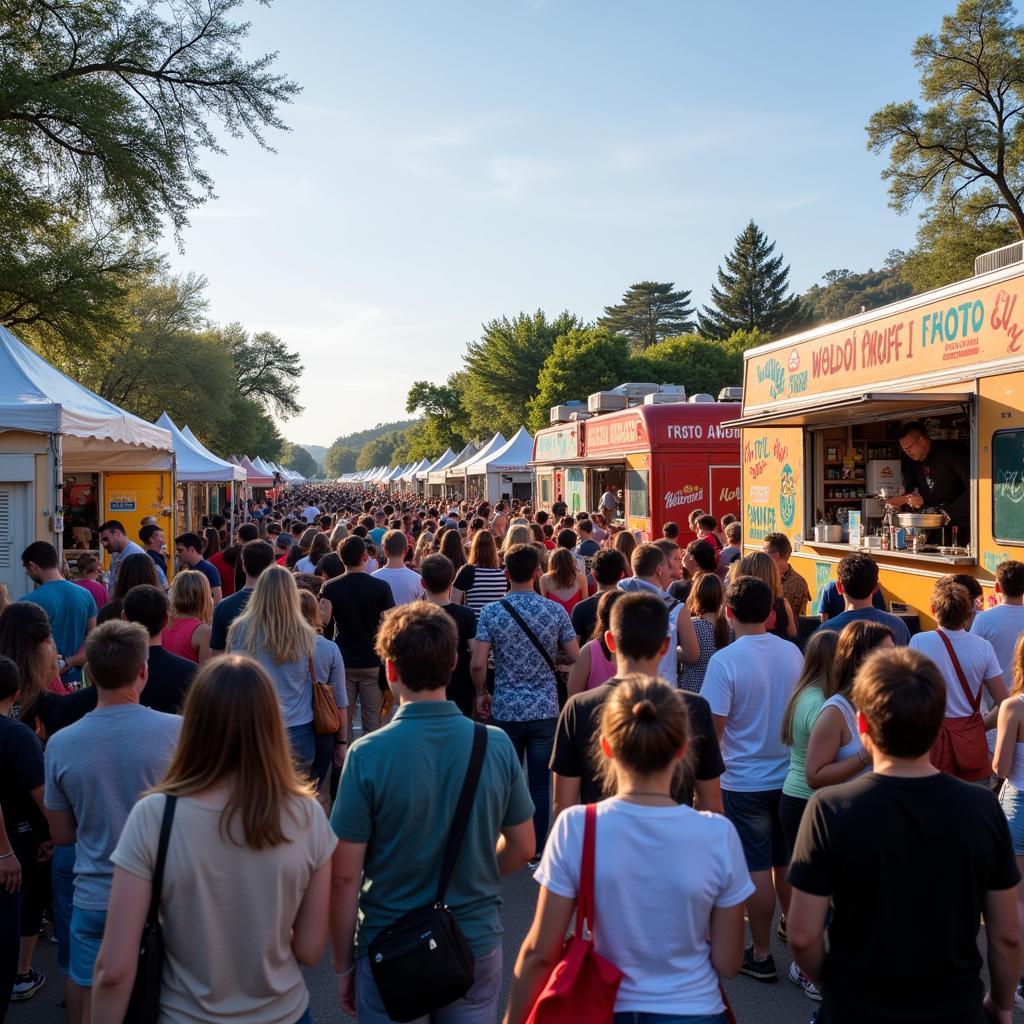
(808, 705)
(398, 794)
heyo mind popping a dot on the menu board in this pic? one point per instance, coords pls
(1008, 485)
(773, 481)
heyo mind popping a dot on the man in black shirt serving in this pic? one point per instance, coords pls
(936, 474)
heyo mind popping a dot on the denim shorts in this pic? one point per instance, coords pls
(63, 877)
(1011, 800)
(86, 935)
(756, 817)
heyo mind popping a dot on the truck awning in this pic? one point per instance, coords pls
(872, 405)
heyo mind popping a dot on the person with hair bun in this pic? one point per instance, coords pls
(678, 926)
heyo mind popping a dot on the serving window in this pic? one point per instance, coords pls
(638, 495)
(1008, 486)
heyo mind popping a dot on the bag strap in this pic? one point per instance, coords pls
(161, 858)
(974, 700)
(585, 896)
(462, 808)
(506, 604)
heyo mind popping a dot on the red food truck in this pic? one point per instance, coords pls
(666, 460)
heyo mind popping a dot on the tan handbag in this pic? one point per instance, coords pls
(325, 711)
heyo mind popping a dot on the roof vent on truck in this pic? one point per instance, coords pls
(567, 411)
(999, 258)
(732, 394)
(667, 394)
(700, 398)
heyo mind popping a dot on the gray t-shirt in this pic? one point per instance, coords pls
(97, 768)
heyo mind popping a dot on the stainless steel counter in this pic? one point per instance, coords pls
(884, 557)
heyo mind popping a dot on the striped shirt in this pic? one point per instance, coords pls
(481, 586)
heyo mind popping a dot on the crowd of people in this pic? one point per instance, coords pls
(278, 738)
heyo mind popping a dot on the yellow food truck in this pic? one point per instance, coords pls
(832, 427)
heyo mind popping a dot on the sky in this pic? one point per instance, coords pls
(452, 162)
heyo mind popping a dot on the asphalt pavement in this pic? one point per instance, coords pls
(753, 1002)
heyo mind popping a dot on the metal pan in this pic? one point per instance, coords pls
(922, 520)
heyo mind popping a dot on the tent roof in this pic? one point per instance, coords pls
(414, 471)
(254, 475)
(513, 456)
(263, 467)
(195, 464)
(441, 462)
(496, 442)
(37, 397)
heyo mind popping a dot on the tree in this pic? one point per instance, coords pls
(963, 151)
(649, 312)
(266, 371)
(847, 294)
(245, 429)
(339, 460)
(445, 423)
(700, 364)
(751, 294)
(503, 366)
(380, 451)
(581, 362)
(296, 458)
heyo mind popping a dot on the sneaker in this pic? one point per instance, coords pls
(760, 970)
(781, 930)
(799, 978)
(27, 985)
(1018, 996)
(533, 863)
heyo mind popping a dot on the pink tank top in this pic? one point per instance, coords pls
(601, 669)
(177, 638)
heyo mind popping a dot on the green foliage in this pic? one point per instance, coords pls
(752, 290)
(649, 312)
(381, 451)
(339, 460)
(501, 369)
(962, 152)
(445, 423)
(266, 371)
(846, 294)
(700, 364)
(318, 451)
(296, 458)
(358, 439)
(582, 361)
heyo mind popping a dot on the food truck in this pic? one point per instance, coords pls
(667, 460)
(839, 419)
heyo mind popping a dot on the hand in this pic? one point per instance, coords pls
(915, 501)
(10, 873)
(339, 755)
(45, 852)
(347, 992)
(994, 1013)
(483, 706)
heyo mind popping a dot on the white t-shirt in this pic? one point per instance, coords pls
(1001, 627)
(659, 872)
(310, 512)
(977, 659)
(305, 564)
(406, 585)
(750, 683)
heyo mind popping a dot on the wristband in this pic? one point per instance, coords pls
(4, 856)
(345, 973)
(341, 743)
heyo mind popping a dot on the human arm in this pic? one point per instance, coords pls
(346, 874)
(201, 642)
(579, 673)
(822, 768)
(309, 930)
(997, 691)
(687, 638)
(10, 868)
(791, 630)
(216, 593)
(516, 845)
(116, 965)
(727, 940)
(567, 793)
(1007, 732)
(63, 827)
(538, 954)
(1002, 935)
(707, 796)
(478, 673)
(805, 931)
(569, 650)
(581, 585)
(77, 660)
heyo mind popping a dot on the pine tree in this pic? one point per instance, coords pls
(751, 294)
(649, 312)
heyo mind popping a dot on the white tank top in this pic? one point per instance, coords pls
(846, 709)
(1015, 776)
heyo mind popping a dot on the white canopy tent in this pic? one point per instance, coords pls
(455, 474)
(446, 458)
(196, 463)
(436, 474)
(412, 474)
(505, 472)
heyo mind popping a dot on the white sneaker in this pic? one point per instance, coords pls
(799, 978)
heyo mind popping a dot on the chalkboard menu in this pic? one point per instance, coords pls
(1008, 485)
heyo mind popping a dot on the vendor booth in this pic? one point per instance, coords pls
(436, 479)
(438, 465)
(69, 460)
(505, 473)
(455, 474)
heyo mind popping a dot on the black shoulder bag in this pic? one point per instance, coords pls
(521, 622)
(422, 963)
(144, 1004)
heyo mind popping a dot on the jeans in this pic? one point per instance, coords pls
(535, 739)
(86, 936)
(303, 741)
(63, 868)
(306, 1018)
(10, 944)
(363, 683)
(632, 1017)
(478, 1006)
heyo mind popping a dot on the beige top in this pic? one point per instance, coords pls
(227, 910)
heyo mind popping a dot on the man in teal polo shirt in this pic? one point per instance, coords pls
(395, 806)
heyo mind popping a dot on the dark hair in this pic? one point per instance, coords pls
(858, 574)
(704, 555)
(913, 427)
(608, 567)
(645, 722)
(211, 541)
(951, 603)
(24, 628)
(42, 553)
(970, 584)
(134, 571)
(422, 642)
(257, 555)
(330, 566)
(585, 526)
(708, 522)
(115, 653)
(111, 525)
(734, 531)
(190, 540)
(602, 623)
(395, 543)
(521, 562)
(855, 641)
(148, 606)
(352, 552)
(646, 559)
(707, 594)
(10, 678)
(147, 532)
(903, 697)
(483, 552)
(110, 612)
(566, 539)
(639, 623)
(670, 530)
(779, 543)
(438, 573)
(749, 599)
(451, 547)
(1010, 577)
(250, 531)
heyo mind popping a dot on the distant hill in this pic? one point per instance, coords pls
(318, 451)
(361, 437)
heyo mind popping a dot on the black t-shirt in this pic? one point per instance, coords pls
(584, 617)
(680, 590)
(54, 711)
(907, 863)
(943, 479)
(578, 725)
(357, 603)
(168, 681)
(461, 689)
(224, 614)
(159, 559)
(21, 771)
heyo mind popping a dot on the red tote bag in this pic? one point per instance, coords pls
(583, 986)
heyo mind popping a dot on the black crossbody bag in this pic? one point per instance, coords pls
(144, 1003)
(422, 962)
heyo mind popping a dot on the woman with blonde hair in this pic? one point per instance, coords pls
(481, 580)
(761, 566)
(188, 629)
(273, 632)
(677, 928)
(246, 885)
(563, 583)
(424, 547)
(518, 533)
(310, 607)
